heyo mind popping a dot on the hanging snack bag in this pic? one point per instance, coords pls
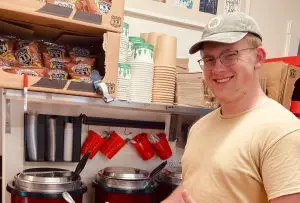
(7, 50)
(84, 67)
(51, 50)
(27, 54)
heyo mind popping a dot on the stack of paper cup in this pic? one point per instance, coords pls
(124, 44)
(132, 41)
(141, 73)
(123, 82)
(164, 78)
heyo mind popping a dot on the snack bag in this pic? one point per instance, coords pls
(7, 50)
(83, 67)
(27, 53)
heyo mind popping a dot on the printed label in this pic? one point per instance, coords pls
(81, 52)
(3, 47)
(57, 63)
(57, 75)
(23, 56)
(82, 69)
(28, 72)
(56, 52)
(64, 4)
(116, 21)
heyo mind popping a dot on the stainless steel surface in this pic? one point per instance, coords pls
(51, 139)
(124, 173)
(68, 197)
(47, 181)
(31, 136)
(124, 178)
(172, 175)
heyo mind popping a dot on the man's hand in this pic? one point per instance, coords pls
(187, 198)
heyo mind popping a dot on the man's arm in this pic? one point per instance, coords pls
(281, 169)
(294, 198)
(178, 195)
(175, 197)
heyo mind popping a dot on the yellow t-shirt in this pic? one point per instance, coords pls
(247, 158)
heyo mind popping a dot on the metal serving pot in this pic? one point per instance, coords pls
(47, 185)
(167, 181)
(126, 185)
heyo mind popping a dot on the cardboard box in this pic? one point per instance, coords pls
(60, 17)
(107, 59)
(280, 81)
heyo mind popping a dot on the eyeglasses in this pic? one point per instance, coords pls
(227, 59)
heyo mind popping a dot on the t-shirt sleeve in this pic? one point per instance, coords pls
(280, 168)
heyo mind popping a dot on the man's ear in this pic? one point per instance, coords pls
(260, 57)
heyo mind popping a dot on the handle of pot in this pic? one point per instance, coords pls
(68, 197)
(80, 166)
(158, 169)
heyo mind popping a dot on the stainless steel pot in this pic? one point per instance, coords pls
(127, 178)
(124, 178)
(171, 175)
(46, 180)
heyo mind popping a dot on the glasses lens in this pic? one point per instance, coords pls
(201, 63)
(229, 58)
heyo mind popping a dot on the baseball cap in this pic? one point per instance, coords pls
(227, 28)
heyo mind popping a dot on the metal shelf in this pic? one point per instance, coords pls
(50, 98)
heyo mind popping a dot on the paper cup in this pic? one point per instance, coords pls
(144, 36)
(165, 51)
(152, 38)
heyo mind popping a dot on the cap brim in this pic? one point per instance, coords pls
(227, 38)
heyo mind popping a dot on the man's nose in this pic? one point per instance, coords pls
(219, 67)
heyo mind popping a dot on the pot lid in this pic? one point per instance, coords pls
(47, 180)
(45, 175)
(172, 175)
(124, 173)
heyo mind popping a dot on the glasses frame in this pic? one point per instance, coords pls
(237, 52)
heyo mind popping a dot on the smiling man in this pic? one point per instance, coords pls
(247, 151)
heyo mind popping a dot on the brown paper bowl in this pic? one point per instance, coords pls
(165, 51)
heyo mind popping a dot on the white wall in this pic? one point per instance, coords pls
(272, 16)
(185, 36)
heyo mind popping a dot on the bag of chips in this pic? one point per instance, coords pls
(76, 51)
(52, 50)
(56, 63)
(7, 50)
(83, 67)
(27, 54)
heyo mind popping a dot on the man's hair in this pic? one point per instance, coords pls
(253, 40)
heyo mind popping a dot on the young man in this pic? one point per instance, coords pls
(247, 151)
